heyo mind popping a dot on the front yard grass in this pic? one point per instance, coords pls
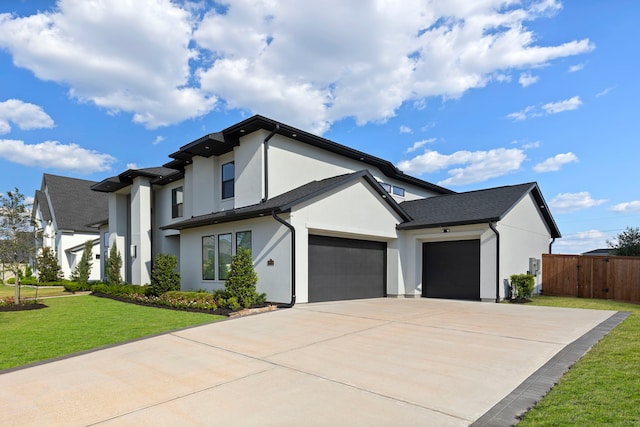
(602, 388)
(30, 291)
(84, 322)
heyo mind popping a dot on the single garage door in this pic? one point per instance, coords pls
(342, 269)
(451, 269)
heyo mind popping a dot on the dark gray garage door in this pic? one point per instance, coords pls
(451, 269)
(342, 269)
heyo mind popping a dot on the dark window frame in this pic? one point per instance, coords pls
(228, 180)
(177, 207)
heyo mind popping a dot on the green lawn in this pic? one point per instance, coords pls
(30, 291)
(77, 323)
(602, 388)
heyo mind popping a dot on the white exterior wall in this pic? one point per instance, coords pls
(410, 254)
(269, 240)
(166, 241)
(69, 260)
(293, 164)
(139, 250)
(249, 179)
(523, 235)
(352, 211)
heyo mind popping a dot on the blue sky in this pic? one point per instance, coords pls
(465, 94)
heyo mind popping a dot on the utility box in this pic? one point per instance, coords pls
(534, 266)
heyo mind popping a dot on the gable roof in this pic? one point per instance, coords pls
(158, 175)
(71, 203)
(284, 202)
(223, 142)
(474, 207)
(41, 203)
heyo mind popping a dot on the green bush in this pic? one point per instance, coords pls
(242, 279)
(523, 284)
(48, 267)
(124, 290)
(179, 299)
(77, 286)
(11, 281)
(113, 265)
(164, 277)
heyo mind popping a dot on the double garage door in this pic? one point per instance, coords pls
(451, 269)
(343, 269)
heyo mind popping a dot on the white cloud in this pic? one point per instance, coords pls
(527, 79)
(54, 155)
(548, 108)
(556, 162)
(580, 242)
(164, 62)
(158, 140)
(132, 166)
(530, 145)
(418, 144)
(560, 106)
(604, 92)
(572, 202)
(478, 165)
(633, 206)
(405, 129)
(577, 67)
(122, 56)
(25, 115)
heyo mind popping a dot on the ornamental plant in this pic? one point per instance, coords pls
(242, 279)
(523, 284)
(164, 277)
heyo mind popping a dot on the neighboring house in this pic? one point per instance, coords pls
(66, 213)
(323, 221)
(601, 252)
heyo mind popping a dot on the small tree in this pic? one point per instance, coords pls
(627, 243)
(242, 279)
(164, 277)
(48, 267)
(16, 236)
(83, 269)
(114, 265)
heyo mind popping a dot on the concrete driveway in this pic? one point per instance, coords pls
(366, 362)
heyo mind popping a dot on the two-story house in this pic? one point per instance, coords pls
(323, 221)
(64, 213)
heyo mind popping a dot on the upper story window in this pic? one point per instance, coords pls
(176, 202)
(392, 189)
(228, 180)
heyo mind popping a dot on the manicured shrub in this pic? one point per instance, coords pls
(242, 279)
(189, 300)
(77, 286)
(11, 281)
(113, 266)
(124, 290)
(48, 267)
(164, 277)
(523, 284)
(83, 269)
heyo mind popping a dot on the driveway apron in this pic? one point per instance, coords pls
(368, 362)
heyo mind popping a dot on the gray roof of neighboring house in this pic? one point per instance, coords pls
(285, 201)
(158, 175)
(473, 207)
(43, 204)
(71, 203)
(601, 251)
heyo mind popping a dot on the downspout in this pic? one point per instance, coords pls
(551, 244)
(493, 228)
(293, 258)
(265, 150)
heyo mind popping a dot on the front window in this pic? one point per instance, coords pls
(243, 240)
(228, 178)
(208, 258)
(398, 191)
(224, 255)
(176, 202)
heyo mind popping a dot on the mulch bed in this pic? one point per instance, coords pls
(219, 311)
(22, 307)
(519, 300)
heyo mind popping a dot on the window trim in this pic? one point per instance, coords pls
(177, 209)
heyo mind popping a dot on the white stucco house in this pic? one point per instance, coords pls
(65, 212)
(323, 221)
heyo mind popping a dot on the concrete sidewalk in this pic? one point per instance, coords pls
(366, 362)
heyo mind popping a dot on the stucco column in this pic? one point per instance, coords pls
(139, 251)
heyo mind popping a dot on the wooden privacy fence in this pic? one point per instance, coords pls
(587, 276)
